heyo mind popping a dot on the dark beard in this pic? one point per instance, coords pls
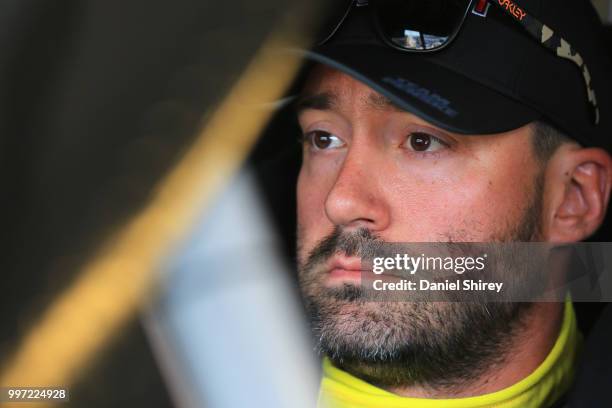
(438, 345)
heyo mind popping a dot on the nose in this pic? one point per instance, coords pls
(356, 199)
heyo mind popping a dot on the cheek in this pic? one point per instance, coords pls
(463, 205)
(312, 190)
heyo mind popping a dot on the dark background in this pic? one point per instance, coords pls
(97, 100)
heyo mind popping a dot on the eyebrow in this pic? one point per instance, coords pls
(320, 101)
(382, 103)
(329, 101)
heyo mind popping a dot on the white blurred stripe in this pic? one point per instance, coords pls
(227, 330)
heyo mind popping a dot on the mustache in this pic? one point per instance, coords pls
(361, 242)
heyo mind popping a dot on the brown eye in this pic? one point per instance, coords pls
(321, 140)
(420, 142)
(423, 142)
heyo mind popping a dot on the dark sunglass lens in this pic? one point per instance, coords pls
(420, 24)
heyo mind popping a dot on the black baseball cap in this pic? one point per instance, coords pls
(492, 77)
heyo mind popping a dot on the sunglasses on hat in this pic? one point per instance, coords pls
(420, 26)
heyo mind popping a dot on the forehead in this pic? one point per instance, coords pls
(327, 88)
(324, 77)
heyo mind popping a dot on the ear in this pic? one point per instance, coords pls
(578, 183)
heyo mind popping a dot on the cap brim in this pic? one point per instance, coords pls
(420, 86)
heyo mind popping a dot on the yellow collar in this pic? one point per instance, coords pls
(542, 387)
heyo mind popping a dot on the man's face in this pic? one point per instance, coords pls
(373, 172)
(461, 188)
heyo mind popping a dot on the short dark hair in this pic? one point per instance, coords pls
(546, 139)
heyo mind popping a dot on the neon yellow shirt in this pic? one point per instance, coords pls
(541, 388)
